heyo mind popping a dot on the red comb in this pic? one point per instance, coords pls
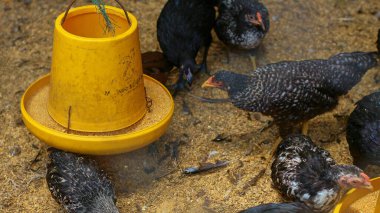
(363, 175)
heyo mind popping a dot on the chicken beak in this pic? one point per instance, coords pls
(259, 21)
(189, 76)
(209, 82)
(369, 186)
(367, 183)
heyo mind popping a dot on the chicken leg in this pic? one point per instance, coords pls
(179, 85)
(253, 61)
(305, 127)
(203, 67)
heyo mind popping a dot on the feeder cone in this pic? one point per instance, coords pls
(94, 101)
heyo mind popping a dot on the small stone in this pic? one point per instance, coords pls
(196, 121)
(19, 122)
(15, 151)
(16, 29)
(186, 109)
(27, 2)
(7, 8)
(222, 138)
(212, 153)
(275, 18)
(148, 168)
(184, 138)
(35, 146)
(377, 15)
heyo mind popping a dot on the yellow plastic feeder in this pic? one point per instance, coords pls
(96, 99)
(361, 200)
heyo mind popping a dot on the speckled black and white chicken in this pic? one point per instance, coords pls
(306, 173)
(295, 207)
(293, 92)
(242, 23)
(78, 185)
(363, 131)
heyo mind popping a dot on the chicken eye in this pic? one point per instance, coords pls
(250, 17)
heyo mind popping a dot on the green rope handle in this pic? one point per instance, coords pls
(100, 5)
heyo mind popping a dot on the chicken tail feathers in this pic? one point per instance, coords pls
(361, 61)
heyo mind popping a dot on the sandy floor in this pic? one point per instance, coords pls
(145, 180)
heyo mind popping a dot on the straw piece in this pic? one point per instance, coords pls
(101, 8)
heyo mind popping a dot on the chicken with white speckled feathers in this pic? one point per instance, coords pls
(78, 185)
(292, 92)
(242, 24)
(306, 173)
(294, 207)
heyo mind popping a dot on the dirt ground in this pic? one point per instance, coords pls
(149, 180)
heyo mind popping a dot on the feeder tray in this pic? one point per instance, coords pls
(37, 119)
(365, 200)
(96, 99)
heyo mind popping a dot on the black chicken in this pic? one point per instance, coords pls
(77, 184)
(295, 207)
(306, 173)
(363, 131)
(183, 27)
(242, 23)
